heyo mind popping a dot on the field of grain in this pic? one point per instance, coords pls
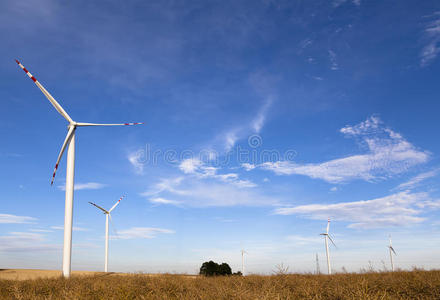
(399, 285)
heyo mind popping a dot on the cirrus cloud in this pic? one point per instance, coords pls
(141, 233)
(13, 219)
(400, 209)
(388, 154)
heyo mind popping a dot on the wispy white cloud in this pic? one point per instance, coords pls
(135, 160)
(200, 169)
(248, 166)
(337, 3)
(74, 228)
(388, 154)
(400, 209)
(230, 137)
(260, 118)
(263, 85)
(13, 219)
(191, 165)
(85, 186)
(333, 62)
(141, 233)
(214, 194)
(164, 185)
(160, 200)
(40, 230)
(192, 191)
(224, 220)
(300, 240)
(416, 180)
(10, 154)
(431, 36)
(25, 241)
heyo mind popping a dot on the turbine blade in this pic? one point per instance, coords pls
(332, 241)
(116, 124)
(392, 249)
(46, 93)
(116, 204)
(328, 225)
(66, 142)
(106, 212)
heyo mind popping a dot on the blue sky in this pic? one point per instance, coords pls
(262, 119)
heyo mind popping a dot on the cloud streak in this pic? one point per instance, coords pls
(431, 35)
(333, 62)
(135, 160)
(388, 153)
(400, 209)
(25, 241)
(416, 180)
(74, 228)
(192, 191)
(13, 219)
(85, 186)
(199, 169)
(160, 200)
(141, 233)
(260, 118)
(229, 138)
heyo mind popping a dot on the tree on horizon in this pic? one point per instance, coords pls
(210, 268)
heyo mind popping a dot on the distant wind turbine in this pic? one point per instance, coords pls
(242, 261)
(391, 254)
(327, 237)
(318, 270)
(70, 171)
(107, 216)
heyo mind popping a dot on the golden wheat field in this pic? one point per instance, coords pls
(399, 285)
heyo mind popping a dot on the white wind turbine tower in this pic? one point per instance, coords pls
(242, 260)
(107, 215)
(318, 270)
(70, 171)
(391, 254)
(327, 237)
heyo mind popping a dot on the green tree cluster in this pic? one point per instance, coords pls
(211, 268)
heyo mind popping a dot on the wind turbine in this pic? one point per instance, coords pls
(70, 171)
(107, 215)
(391, 254)
(242, 261)
(327, 237)
(318, 270)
